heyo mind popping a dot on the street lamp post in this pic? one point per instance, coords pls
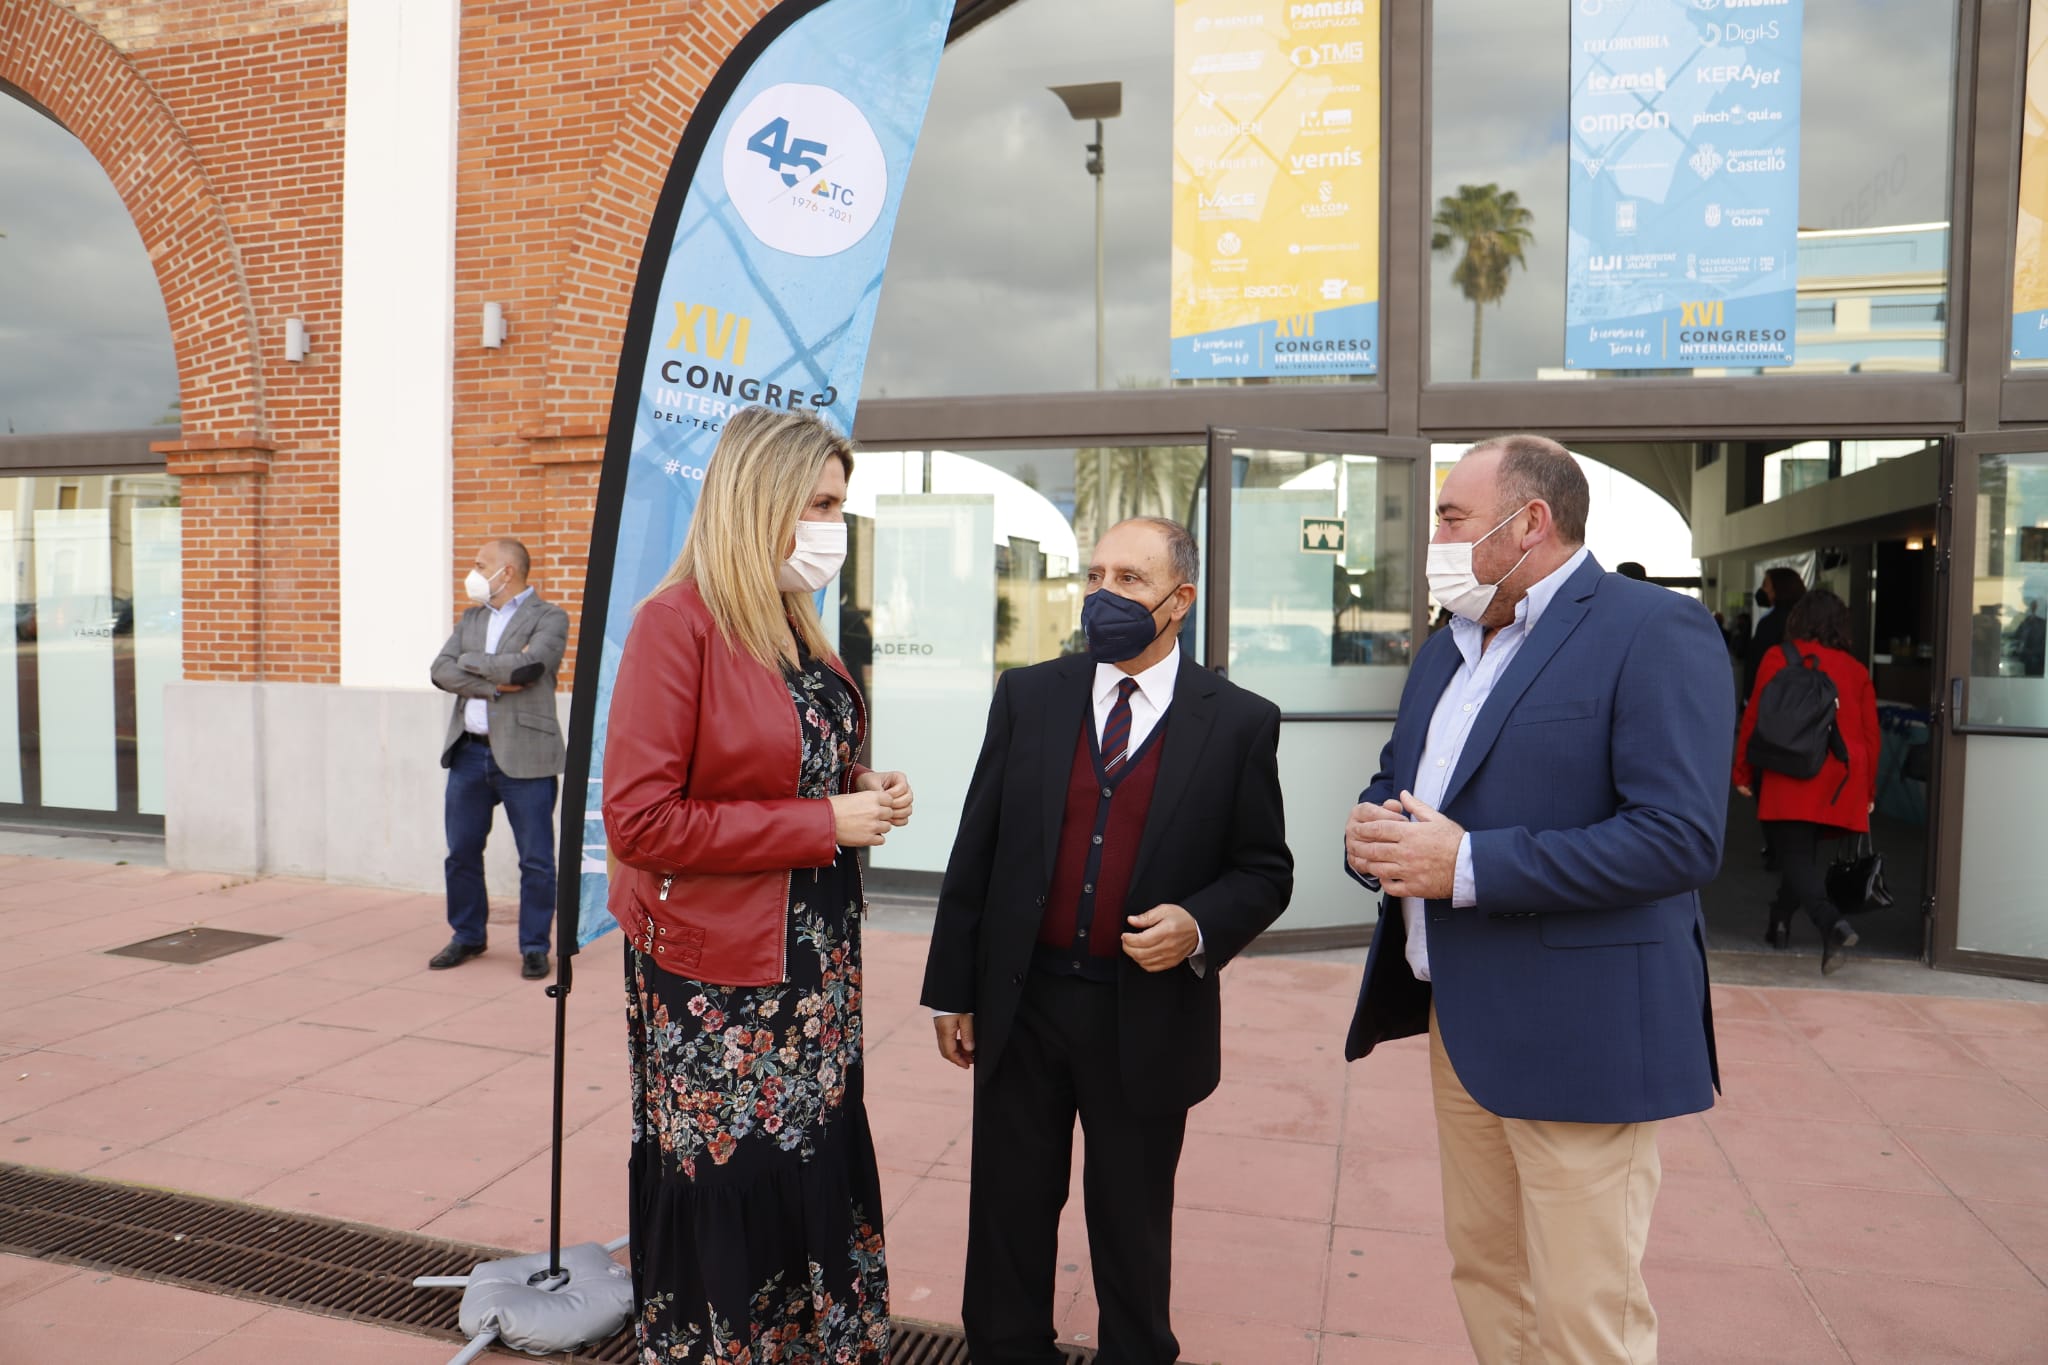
(1095, 102)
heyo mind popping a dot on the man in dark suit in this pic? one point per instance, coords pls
(504, 746)
(1551, 801)
(1121, 842)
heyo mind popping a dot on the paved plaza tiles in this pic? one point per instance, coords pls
(1872, 1188)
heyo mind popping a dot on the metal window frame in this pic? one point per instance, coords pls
(1957, 532)
(1976, 392)
(89, 452)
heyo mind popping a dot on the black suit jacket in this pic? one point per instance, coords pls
(1214, 843)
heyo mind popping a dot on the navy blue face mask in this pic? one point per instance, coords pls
(1119, 628)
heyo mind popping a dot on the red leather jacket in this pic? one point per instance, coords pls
(702, 753)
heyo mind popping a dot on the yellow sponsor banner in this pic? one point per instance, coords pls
(1276, 188)
(2030, 261)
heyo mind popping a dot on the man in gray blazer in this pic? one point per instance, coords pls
(504, 746)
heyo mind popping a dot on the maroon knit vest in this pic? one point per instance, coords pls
(1090, 879)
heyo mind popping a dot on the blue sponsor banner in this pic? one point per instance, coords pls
(2030, 335)
(759, 285)
(1684, 217)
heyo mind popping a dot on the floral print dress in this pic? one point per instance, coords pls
(756, 1206)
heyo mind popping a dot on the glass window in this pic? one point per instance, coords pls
(85, 343)
(1795, 469)
(1807, 464)
(1322, 607)
(1876, 110)
(962, 564)
(1861, 455)
(1999, 896)
(991, 285)
(91, 570)
(1322, 622)
(991, 279)
(2009, 621)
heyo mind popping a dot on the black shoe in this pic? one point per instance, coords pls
(1835, 945)
(1779, 933)
(454, 955)
(533, 966)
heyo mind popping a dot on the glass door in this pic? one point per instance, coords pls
(1991, 914)
(961, 565)
(1317, 604)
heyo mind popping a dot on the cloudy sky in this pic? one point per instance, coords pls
(84, 343)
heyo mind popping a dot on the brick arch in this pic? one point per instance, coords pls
(61, 62)
(600, 260)
(602, 256)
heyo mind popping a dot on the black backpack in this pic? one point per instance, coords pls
(1795, 727)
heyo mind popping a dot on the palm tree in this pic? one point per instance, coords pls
(1494, 228)
(1115, 482)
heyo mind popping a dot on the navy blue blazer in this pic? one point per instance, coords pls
(1595, 790)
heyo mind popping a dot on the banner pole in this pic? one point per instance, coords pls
(565, 974)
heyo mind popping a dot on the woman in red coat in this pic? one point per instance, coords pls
(733, 803)
(1798, 813)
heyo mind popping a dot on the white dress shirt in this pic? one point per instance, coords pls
(1451, 725)
(1148, 703)
(476, 712)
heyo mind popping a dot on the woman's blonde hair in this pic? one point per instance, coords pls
(756, 486)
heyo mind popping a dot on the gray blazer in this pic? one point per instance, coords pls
(526, 736)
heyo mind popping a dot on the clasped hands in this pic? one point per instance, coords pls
(1165, 936)
(863, 817)
(1407, 845)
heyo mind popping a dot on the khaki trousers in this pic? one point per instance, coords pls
(1546, 1224)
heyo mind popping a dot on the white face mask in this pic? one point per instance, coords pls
(478, 587)
(1454, 584)
(820, 550)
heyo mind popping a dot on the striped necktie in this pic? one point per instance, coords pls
(1116, 731)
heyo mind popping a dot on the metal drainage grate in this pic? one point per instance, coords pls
(299, 1260)
(189, 946)
(293, 1260)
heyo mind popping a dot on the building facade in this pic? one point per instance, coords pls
(328, 195)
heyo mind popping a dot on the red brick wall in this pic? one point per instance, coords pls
(221, 125)
(570, 115)
(263, 112)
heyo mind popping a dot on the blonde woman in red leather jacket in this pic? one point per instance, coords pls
(733, 805)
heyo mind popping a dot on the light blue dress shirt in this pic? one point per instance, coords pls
(476, 712)
(1451, 725)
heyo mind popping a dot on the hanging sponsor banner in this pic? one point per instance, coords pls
(1684, 204)
(1276, 188)
(758, 284)
(2030, 263)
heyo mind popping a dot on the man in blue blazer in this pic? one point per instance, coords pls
(1552, 799)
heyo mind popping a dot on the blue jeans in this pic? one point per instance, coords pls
(475, 786)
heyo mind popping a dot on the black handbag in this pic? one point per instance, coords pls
(1856, 878)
